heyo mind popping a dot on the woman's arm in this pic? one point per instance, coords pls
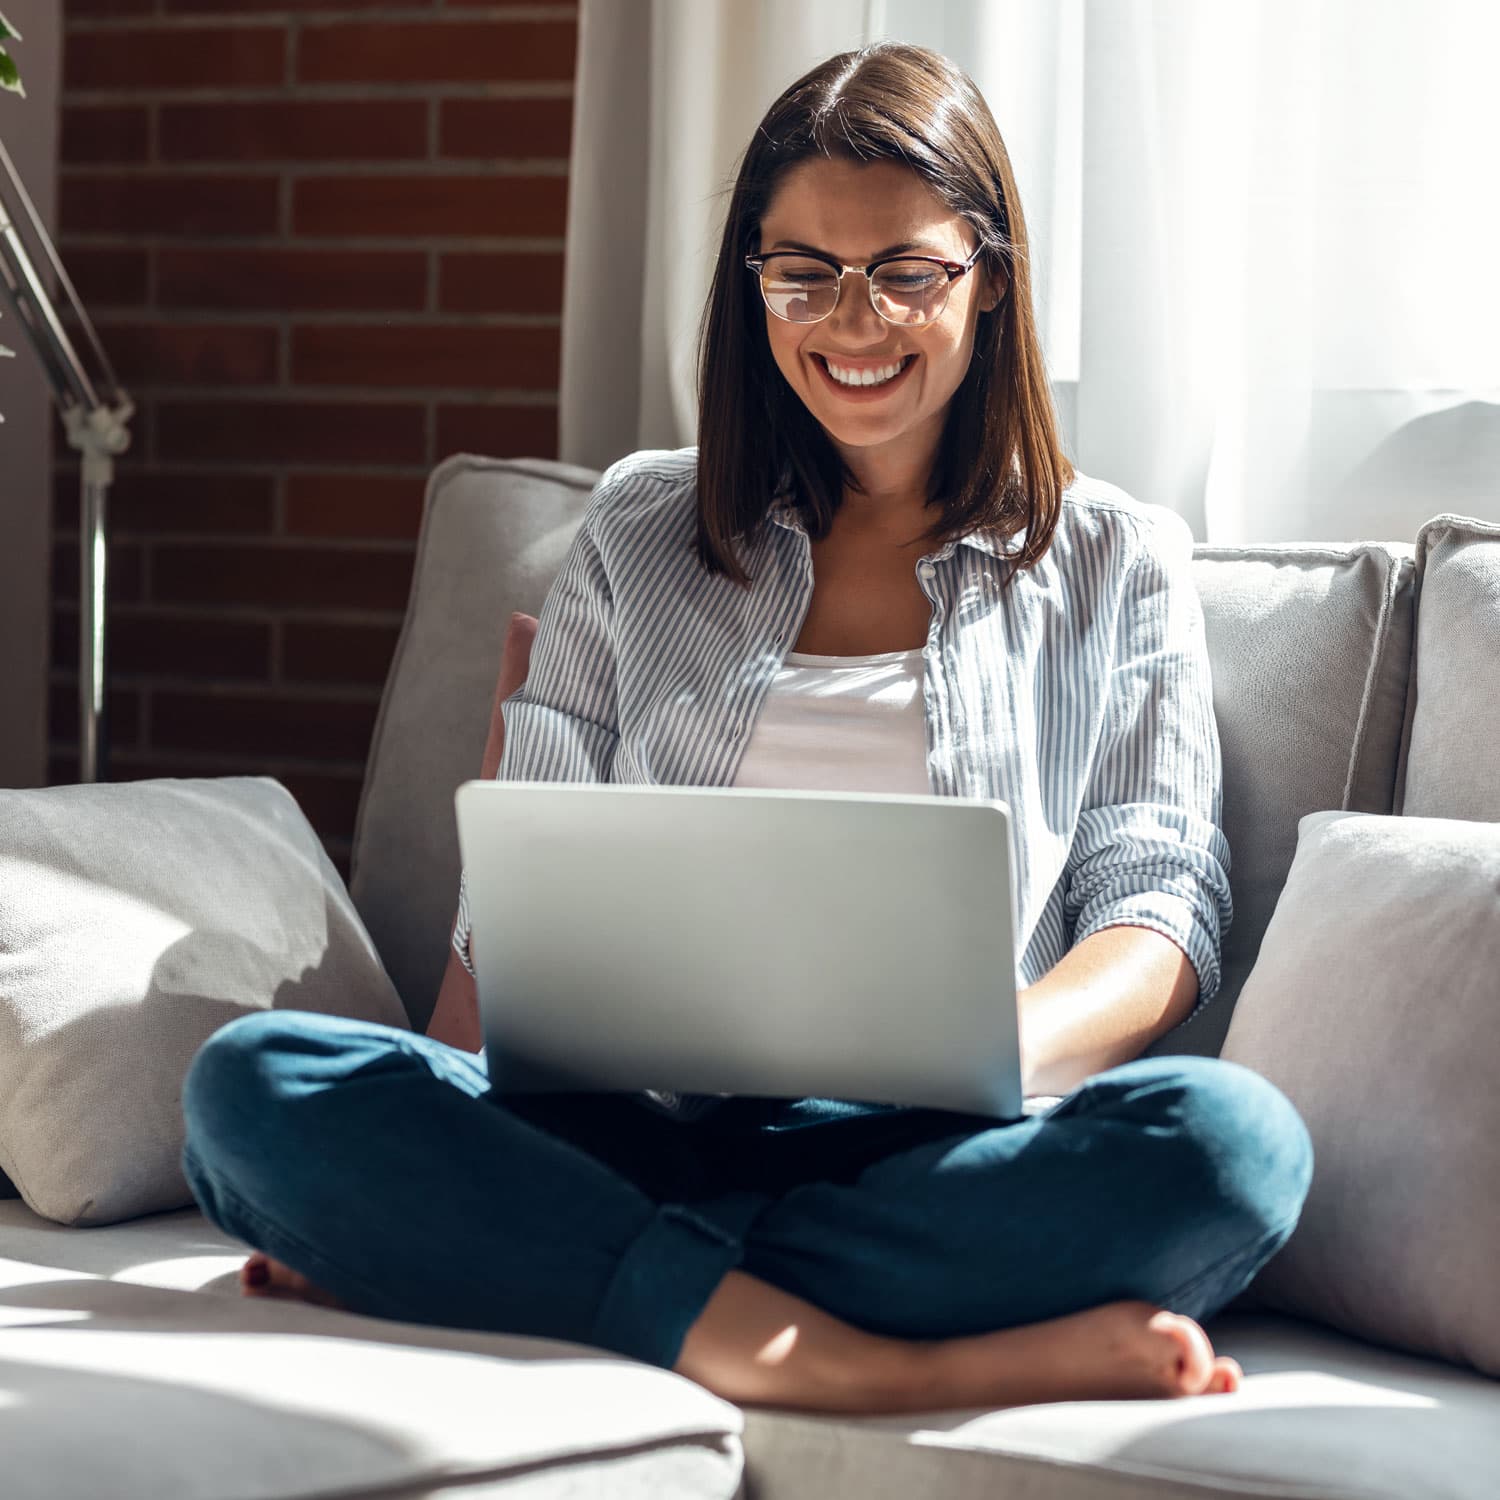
(561, 724)
(1147, 882)
(1108, 999)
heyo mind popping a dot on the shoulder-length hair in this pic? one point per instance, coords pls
(1000, 462)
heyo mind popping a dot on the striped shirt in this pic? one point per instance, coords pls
(1081, 696)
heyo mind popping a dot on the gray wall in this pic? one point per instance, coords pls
(29, 128)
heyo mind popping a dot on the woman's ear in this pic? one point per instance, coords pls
(994, 291)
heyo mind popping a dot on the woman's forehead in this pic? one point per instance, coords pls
(858, 210)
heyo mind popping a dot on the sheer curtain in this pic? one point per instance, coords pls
(1263, 236)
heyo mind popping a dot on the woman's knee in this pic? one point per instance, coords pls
(1235, 1137)
(249, 1065)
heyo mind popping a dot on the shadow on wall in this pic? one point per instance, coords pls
(1444, 461)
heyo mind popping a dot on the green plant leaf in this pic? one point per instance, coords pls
(9, 78)
(6, 29)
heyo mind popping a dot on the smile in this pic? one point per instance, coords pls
(863, 384)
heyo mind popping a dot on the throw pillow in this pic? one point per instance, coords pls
(455, 1017)
(1374, 1005)
(135, 920)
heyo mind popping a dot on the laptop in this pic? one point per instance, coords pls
(737, 940)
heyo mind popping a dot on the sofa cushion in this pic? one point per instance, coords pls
(1375, 1007)
(1309, 649)
(494, 532)
(1453, 720)
(114, 1383)
(1319, 1414)
(135, 920)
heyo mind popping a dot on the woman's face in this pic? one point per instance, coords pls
(858, 212)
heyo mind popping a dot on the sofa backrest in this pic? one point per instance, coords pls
(1450, 766)
(493, 536)
(1310, 648)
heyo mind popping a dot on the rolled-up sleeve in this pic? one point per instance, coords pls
(562, 724)
(1149, 850)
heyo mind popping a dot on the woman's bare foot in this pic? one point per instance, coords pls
(1120, 1350)
(261, 1276)
(758, 1345)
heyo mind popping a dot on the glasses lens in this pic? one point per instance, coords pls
(910, 291)
(798, 289)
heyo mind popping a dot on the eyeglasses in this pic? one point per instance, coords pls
(909, 290)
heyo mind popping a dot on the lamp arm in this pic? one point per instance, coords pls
(96, 426)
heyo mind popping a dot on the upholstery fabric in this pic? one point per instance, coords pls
(1309, 649)
(1453, 723)
(458, 994)
(1319, 1415)
(114, 1383)
(1375, 1007)
(136, 919)
(493, 536)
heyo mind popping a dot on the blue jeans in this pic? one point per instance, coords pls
(380, 1165)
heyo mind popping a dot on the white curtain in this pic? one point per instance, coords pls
(1263, 235)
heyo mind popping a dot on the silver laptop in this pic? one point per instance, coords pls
(744, 941)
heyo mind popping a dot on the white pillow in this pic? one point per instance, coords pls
(1374, 1005)
(135, 920)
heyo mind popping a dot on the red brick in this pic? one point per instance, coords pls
(436, 51)
(180, 57)
(524, 358)
(354, 505)
(262, 724)
(301, 130)
(281, 577)
(324, 280)
(122, 712)
(337, 653)
(505, 127)
(145, 354)
(328, 801)
(422, 206)
(156, 645)
(106, 278)
(106, 133)
(291, 431)
(145, 503)
(497, 431)
(500, 282)
(143, 204)
(122, 572)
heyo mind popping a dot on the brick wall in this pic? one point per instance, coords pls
(322, 243)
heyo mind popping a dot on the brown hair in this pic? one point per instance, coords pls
(1000, 461)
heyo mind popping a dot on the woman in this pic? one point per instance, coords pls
(877, 572)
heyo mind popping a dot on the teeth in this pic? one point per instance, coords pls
(864, 377)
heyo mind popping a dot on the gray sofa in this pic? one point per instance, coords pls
(129, 1365)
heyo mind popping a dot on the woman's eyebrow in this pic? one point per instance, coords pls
(900, 249)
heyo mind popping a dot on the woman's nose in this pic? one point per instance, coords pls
(854, 314)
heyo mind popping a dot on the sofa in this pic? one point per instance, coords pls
(1358, 679)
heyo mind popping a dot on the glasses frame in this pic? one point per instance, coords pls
(953, 268)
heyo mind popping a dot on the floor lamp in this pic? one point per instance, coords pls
(95, 411)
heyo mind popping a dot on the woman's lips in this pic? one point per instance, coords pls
(863, 392)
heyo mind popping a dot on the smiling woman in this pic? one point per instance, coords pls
(916, 396)
(877, 571)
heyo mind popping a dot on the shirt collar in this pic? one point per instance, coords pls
(986, 539)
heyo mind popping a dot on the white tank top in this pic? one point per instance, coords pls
(841, 723)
